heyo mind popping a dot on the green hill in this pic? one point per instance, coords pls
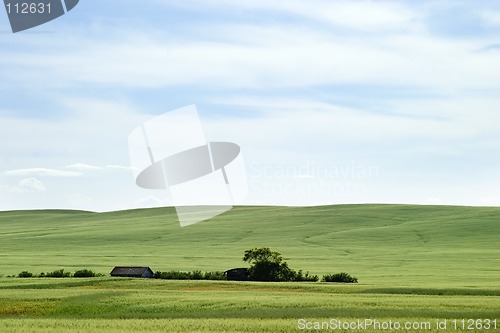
(393, 244)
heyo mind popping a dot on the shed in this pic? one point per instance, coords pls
(237, 274)
(138, 272)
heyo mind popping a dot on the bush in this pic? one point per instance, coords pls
(172, 275)
(83, 273)
(60, 273)
(214, 276)
(194, 275)
(340, 277)
(25, 274)
(301, 277)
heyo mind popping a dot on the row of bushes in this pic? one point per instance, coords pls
(60, 273)
(298, 276)
(194, 275)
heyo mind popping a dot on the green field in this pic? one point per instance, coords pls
(414, 263)
(127, 305)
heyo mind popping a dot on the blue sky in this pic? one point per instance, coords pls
(331, 101)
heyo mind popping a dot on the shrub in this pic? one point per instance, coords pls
(194, 275)
(60, 273)
(301, 277)
(340, 277)
(172, 275)
(25, 274)
(83, 273)
(214, 276)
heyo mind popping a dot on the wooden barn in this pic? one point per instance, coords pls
(137, 272)
(237, 274)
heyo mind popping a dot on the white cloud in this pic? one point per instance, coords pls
(82, 167)
(364, 15)
(294, 120)
(29, 185)
(87, 124)
(354, 14)
(263, 56)
(42, 172)
(120, 167)
(491, 17)
(321, 49)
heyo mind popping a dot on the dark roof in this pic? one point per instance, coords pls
(130, 271)
(237, 274)
(237, 270)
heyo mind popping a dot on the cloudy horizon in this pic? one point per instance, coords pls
(332, 102)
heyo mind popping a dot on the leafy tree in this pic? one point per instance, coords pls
(267, 265)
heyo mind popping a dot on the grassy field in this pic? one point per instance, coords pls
(126, 305)
(409, 245)
(414, 264)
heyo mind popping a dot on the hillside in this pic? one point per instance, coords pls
(394, 244)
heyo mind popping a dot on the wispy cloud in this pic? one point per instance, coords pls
(420, 119)
(42, 172)
(359, 15)
(269, 55)
(491, 17)
(87, 167)
(25, 185)
(82, 167)
(491, 47)
(322, 80)
(120, 167)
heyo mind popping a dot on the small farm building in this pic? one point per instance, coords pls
(237, 274)
(138, 272)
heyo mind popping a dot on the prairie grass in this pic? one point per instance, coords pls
(414, 263)
(208, 306)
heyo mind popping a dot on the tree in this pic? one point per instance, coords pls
(267, 265)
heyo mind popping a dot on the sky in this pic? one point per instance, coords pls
(331, 102)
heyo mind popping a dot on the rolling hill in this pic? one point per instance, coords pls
(390, 244)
